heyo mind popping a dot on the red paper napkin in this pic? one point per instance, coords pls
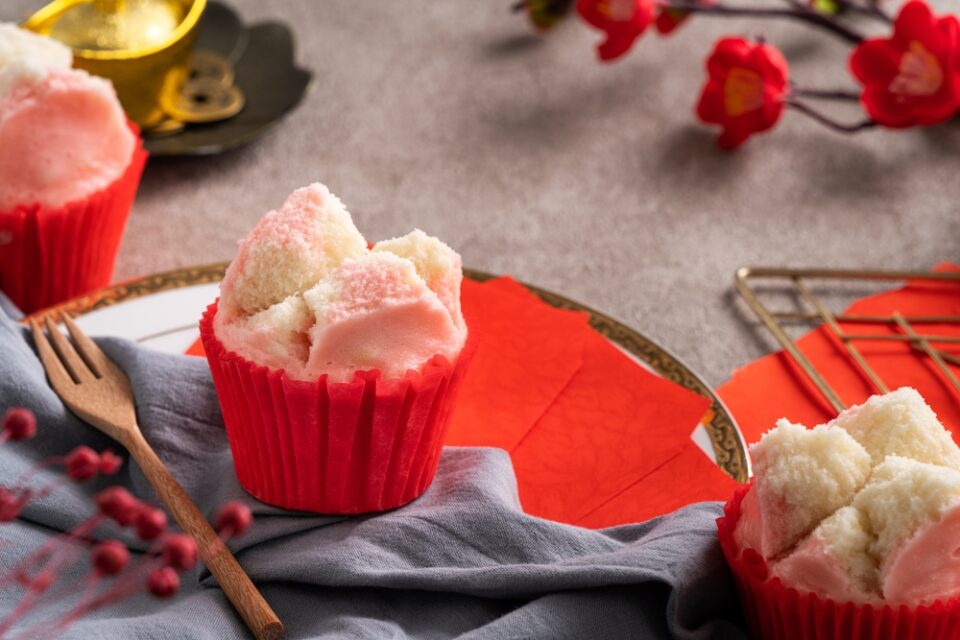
(686, 478)
(613, 426)
(527, 354)
(596, 439)
(610, 445)
(774, 386)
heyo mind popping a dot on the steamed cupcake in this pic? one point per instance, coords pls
(336, 364)
(851, 529)
(70, 164)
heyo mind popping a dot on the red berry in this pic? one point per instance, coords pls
(180, 552)
(9, 505)
(163, 582)
(118, 504)
(82, 463)
(233, 519)
(109, 558)
(110, 462)
(42, 581)
(149, 523)
(19, 423)
(22, 578)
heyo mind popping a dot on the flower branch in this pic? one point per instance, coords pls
(825, 94)
(870, 9)
(798, 12)
(908, 78)
(825, 120)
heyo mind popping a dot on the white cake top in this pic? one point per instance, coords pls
(801, 476)
(28, 57)
(900, 423)
(870, 504)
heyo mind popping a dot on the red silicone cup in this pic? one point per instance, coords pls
(48, 255)
(778, 612)
(334, 447)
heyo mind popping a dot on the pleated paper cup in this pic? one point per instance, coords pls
(778, 612)
(52, 254)
(334, 447)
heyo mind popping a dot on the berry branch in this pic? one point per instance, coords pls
(113, 576)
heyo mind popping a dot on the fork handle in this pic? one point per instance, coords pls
(234, 581)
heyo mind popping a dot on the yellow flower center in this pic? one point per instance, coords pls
(742, 92)
(919, 74)
(617, 10)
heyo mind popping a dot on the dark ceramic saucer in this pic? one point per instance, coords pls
(265, 70)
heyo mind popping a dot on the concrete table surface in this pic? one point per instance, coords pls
(533, 159)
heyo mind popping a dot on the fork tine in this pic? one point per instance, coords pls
(68, 355)
(51, 362)
(95, 358)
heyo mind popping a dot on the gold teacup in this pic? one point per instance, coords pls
(143, 46)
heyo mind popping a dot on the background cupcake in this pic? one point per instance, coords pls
(70, 164)
(337, 365)
(851, 529)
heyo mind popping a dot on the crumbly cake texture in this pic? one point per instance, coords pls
(63, 133)
(306, 296)
(439, 266)
(902, 496)
(289, 250)
(884, 539)
(801, 477)
(900, 423)
(26, 56)
(835, 559)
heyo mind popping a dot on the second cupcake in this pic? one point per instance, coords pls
(70, 164)
(851, 530)
(337, 365)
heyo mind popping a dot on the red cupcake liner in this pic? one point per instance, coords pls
(777, 612)
(334, 447)
(48, 255)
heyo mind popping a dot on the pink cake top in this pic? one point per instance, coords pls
(926, 567)
(306, 296)
(812, 567)
(920, 570)
(63, 133)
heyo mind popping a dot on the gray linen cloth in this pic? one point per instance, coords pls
(462, 561)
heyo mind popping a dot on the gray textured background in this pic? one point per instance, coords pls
(533, 159)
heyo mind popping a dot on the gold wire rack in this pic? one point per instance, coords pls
(907, 328)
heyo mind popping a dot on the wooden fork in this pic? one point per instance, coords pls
(99, 392)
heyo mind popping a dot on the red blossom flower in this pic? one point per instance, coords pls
(669, 19)
(911, 78)
(745, 88)
(622, 20)
(546, 14)
(19, 424)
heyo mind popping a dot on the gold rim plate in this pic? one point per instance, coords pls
(728, 445)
